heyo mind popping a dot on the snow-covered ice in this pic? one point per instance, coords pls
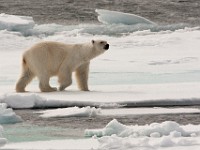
(71, 112)
(166, 135)
(113, 142)
(163, 135)
(115, 17)
(147, 111)
(153, 130)
(93, 112)
(106, 96)
(147, 143)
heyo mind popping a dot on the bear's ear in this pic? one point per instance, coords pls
(93, 41)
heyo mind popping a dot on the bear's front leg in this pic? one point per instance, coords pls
(64, 79)
(82, 76)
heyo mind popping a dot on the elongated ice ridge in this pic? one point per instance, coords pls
(115, 17)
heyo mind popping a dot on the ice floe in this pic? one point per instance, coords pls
(25, 101)
(71, 112)
(93, 112)
(153, 130)
(7, 115)
(107, 96)
(156, 135)
(147, 143)
(14, 22)
(116, 17)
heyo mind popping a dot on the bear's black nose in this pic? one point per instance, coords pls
(106, 47)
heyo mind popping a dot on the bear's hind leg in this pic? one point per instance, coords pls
(44, 84)
(24, 80)
(64, 79)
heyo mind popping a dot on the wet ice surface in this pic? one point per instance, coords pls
(36, 128)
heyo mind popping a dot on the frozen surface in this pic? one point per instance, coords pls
(114, 142)
(146, 65)
(163, 136)
(147, 143)
(115, 17)
(17, 23)
(3, 141)
(71, 112)
(147, 111)
(25, 101)
(7, 115)
(166, 135)
(153, 130)
(55, 144)
(141, 57)
(92, 111)
(109, 96)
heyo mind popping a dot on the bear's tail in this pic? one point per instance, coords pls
(25, 78)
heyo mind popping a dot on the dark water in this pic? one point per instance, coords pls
(83, 11)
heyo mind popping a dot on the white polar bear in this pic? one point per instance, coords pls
(47, 59)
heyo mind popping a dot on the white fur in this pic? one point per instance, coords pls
(47, 59)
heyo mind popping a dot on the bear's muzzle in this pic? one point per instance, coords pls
(106, 47)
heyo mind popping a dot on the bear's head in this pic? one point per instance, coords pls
(100, 46)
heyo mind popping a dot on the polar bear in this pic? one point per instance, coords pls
(47, 59)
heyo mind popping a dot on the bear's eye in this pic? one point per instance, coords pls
(102, 42)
